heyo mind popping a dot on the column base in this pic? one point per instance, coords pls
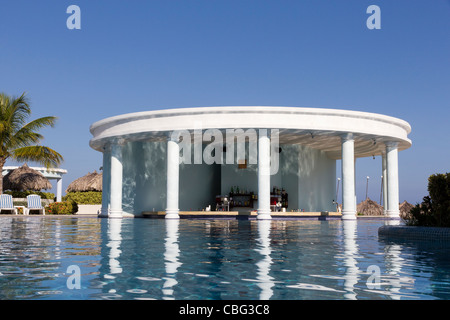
(115, 214)
(103, 213)
(263, 215)
(348, 215)
(395, 214)
(172, 214)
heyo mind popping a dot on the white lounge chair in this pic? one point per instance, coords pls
(34, 203)
(6, 203)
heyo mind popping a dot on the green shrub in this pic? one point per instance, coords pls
(434, 211)
(24, 194)
(64, 207)
(20, 203)
(87, 197)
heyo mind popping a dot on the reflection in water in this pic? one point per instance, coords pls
(394, 265)
(35, 253)
(171, 254)
(140, 259)
(115, 238)
(58, 240)
(393, 222)
(265, 282)
(350, 255)
(393, 270)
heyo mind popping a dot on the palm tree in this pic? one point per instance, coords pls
(19, 139)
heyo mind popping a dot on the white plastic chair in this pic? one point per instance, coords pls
(6, 203)
(34, 203)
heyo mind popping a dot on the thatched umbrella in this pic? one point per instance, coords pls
(25, 178)
(89, 182)
(405, 207)
(370, 208)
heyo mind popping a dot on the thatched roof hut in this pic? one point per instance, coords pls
(369, 207)
(25, 178)
(89, 182)
(405, 207)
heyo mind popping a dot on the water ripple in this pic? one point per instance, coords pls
(153, 259)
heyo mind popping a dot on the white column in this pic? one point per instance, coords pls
(348, 178)
(263, 175)
(173, 168)
(58, 189)
(354, 178)
(116, 181)
(392, 181)
(106, 183)
(384, 174)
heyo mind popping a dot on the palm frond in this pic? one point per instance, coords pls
(18, 138)
(28, 135)
(22, 139)
(41, 123)
(13, 114)
(41, 154)
(14, 111)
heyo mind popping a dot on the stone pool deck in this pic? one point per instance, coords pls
(244, 215)
(232, 215)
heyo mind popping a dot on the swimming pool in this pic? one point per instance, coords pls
(90, 258)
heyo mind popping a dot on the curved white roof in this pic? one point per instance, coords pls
(315, 127)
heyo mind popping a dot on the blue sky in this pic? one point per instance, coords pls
(143, 55)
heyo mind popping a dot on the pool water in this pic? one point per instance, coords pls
(90, 258)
